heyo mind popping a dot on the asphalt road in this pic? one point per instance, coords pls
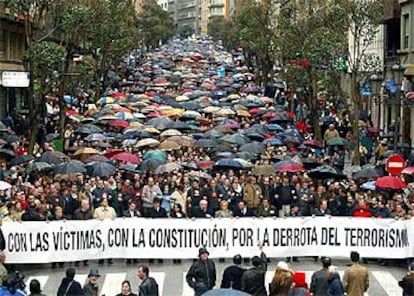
(171, 276)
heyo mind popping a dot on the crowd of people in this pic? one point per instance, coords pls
(185, 132)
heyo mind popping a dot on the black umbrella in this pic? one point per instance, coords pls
(178, 125)
(214, 133)
(326, 172)
(160, 123)
(151, 164)
(235, 139)
(6, 153)
(190, 105)
(53, 157)
(206, 143)
(21, 159)
(254, 148)
(227, 163)
(3, 127)
(88, 129)
(70, 167)
(367, 172)
(12, 138)
(100, 169)
(130, 168)
(51, 137)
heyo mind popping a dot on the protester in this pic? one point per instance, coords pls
(91, 288)
(232, 275)
(407, 282)
(148, 286)
(253, 279)
(202, 274)
(126, 289)
(319, 282)
(35, 289)
(282, 281)
(69, 286)
(335, 287)
(356, 278)
(3, 270)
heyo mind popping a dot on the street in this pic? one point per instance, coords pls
(171, 277)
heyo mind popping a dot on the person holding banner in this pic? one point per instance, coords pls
(202, 274)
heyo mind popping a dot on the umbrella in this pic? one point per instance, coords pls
(205, 143)
(150, 142)
(214, 133)
(367, 172)
(119, 123)
(105, 100)
(289, 166)
(151, 164)
(4, 185)
(100, 169)
(337, 141)
(125, 115)
(167, 168)
(352, 170)
(12, 138)
(369, 185)
(178, 125)
(126, 157)
(326, 172)
(86, 151)
(112, 152)
(160, 123)
(313, 143)
(275, 127)
(205, 164)
(408, 171)
(185, 141)
(97, 158)
(169, 146)
(155, 154)
(273, 142)
(235, 139)
(266, 169)
(51, 137)
(38, 166)
(228, 163)
(130, 168)
(170, 133)
(70, 167)
(390, 183)
(88, 129)
(225, 292)
(53, 157)
(254, 148)
(199, 174)
(21, 159)
(96, 137)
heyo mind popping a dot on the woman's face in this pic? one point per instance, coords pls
(125, 289)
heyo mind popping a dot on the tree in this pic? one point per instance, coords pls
(311, 35)
(363, 18)
(256, 35)
(155, 24)
(221, 29)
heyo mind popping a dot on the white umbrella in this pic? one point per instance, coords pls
(4, 185)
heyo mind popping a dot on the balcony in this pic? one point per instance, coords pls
(216, 5)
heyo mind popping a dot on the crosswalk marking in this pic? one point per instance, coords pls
(112, 283)
(387, 282)
(159, 278)
(81, 278)
(41, 278)
(187, 291)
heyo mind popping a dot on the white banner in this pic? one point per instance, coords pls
(41, 242)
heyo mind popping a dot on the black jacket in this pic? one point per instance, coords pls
(196, 212)
(238, 213)
(319, 283)
(253, 279)
(232, 276)
(407, 284)
(75, 288)
(202, 273)
(148, 287)
(161, 213)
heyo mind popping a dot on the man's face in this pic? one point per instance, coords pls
(93, 279)
(140, 274)
(241, 205)
(204, 257)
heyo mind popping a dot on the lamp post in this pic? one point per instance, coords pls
(376, 81)
(397, 69)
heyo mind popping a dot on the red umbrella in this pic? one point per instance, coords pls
(113, 152)
(72, 112)
(313, 143)
(408, 171)
(390, 182)
(270, 114)
(120, 123)
(255, 111)
(290, 167)
(126, 157)
(118, 95)
(205, 164)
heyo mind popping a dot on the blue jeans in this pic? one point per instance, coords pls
(200, 289)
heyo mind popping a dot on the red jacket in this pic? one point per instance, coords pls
(362, 212)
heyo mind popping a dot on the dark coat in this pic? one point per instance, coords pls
(2, 241)
(319, 283)
(75, 288)
(232, 276)
(127, 213)
(249, 213)
(196, 212)
(148, 287)
(335, 287)
(253, 279)
(82, 215)
(160, 213)
(203, 273)
(407, 284)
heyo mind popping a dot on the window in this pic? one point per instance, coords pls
(406, 30)
(14, 46)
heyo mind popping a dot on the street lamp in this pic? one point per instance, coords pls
(376, 81)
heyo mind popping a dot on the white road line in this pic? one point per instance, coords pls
(41, 278)
(81, 278)
(387, 282)
(268, 279)
(187, 291)
(159, 278)
(112, 283)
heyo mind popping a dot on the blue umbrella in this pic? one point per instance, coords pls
(273, 142)
(275, 127)
(368, 185)
(227, 163)
(70, 100)
(225, 292)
